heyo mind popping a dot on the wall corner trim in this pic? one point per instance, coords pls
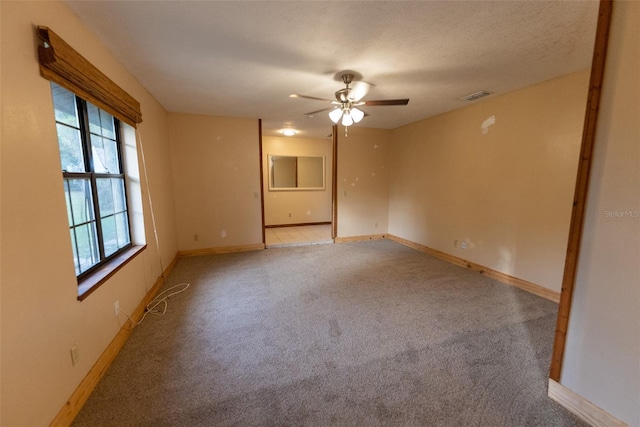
(581, 407)
(79, 397)
(541, 291)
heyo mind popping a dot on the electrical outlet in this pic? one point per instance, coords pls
(75, 355)
(455, 243)
(463, 245)
(116, 307)
(195, 237)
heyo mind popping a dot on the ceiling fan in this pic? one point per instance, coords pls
(345, 108)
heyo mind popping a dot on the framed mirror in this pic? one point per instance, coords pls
(290, 173)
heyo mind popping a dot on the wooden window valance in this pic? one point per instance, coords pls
(61, 64)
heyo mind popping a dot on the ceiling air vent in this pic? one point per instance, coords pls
(474, 96)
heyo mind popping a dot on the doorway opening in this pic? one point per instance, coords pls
(298, 235)
(298, 190)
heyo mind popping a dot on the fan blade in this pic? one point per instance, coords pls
(296, 95)
(319, 111)
(359, 90)
(386, 102)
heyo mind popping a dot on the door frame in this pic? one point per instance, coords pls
(334, 182)
(582, 186)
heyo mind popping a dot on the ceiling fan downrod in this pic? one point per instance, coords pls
(343, 94)
(347, 79)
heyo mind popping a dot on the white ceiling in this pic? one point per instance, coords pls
(243, 59)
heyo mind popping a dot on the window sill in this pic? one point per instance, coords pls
(93, 281)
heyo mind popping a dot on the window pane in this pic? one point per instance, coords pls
(109, 235)
(115, 233)
(80, 200)
(97, 151)
(122, 228)
(114, 219)
(105, 197)
(68, 198)
(119, 204)
(71, 153)
(64, 104)
(105, 155)
(86, 240)
(76, 260)
(94, 119)
(100, 122)
(111, 156)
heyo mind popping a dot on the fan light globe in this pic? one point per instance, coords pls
(346, 119)
(356, 115)
(335, 115)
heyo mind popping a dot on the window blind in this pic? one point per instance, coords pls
(62, 64)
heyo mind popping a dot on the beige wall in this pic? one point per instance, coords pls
(363, 181)
(216, 179)
(41, 317)
(602, 358)
(297, 207)
(506, 191)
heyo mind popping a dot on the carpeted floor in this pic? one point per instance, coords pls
(354, 334)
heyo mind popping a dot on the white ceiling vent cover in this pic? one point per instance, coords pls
(476, 95)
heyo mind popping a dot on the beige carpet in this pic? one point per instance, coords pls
(358, 334)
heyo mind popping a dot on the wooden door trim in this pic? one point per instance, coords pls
(334, 183)
(582, 186)
(264, 236)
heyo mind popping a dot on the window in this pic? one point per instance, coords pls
(94, 180)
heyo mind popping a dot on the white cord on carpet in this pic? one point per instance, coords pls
(152, 307)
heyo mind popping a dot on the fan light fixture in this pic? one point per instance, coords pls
(344, 109)
(348, 114)
(345, 112)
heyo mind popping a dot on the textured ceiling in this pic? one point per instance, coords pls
(243, 59)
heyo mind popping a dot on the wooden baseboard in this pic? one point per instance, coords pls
(494, 274)
(302, 224)
(581, 407)
(360, 238)
(222, 250)
(76, 401)
(168, 269)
